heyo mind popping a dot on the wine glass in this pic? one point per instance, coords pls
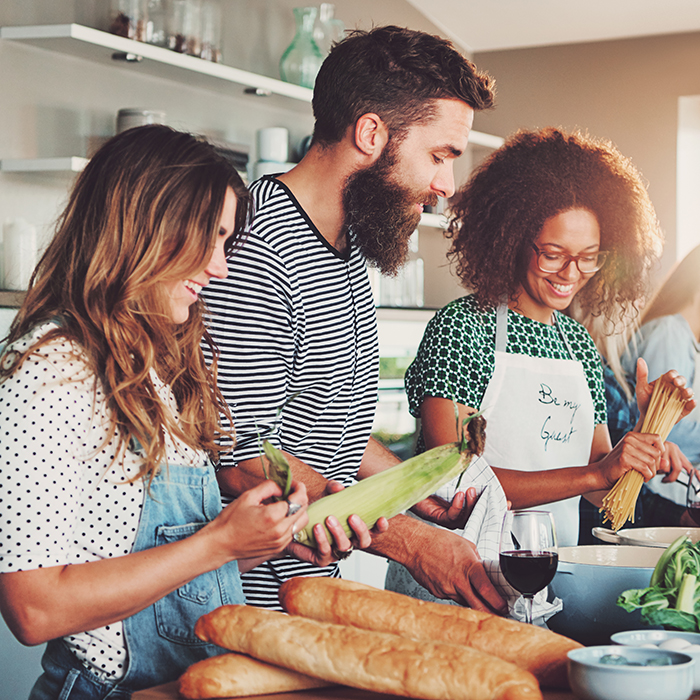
(692, 501)
(528, 552)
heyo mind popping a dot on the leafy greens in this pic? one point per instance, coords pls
(672, 599)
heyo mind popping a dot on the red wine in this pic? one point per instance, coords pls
(694, 513)
(528, 571)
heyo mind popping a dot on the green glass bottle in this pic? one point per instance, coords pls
(302, 59)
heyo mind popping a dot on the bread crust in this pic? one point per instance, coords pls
(235, 675)
(538, 650)
(360, 658)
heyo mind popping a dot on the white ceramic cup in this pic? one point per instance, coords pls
(130, 117)
(19, 252)
(273, 144)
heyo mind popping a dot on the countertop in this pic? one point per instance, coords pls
(340, 692)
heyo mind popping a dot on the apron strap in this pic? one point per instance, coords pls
(501, 328)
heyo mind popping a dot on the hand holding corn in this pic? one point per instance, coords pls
(398, 488)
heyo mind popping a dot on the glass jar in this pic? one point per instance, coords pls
(185, 26)
(302, 59)
(128, 19)
(211, 31)
(156, 23)
(327, 30)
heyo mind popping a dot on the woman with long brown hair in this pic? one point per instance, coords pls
(114, 540)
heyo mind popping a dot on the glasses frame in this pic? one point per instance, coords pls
(602, 257)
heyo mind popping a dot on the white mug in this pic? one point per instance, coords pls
(130, 117)
(19, 252)
(273, 144)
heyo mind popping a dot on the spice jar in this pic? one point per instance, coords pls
(211, 31)
(156, 23)
(185, 27)
(128, 19)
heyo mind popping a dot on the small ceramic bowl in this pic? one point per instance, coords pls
(592, 680)
(638, 638)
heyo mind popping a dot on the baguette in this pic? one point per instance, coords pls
(235, 675)
(371, 660)
(534, 649)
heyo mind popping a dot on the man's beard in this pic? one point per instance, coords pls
(380, 214)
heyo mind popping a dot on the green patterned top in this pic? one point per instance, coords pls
(457, 354)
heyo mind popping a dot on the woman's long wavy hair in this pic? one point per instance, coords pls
(678, 289)
(534, 176)
(145, 210)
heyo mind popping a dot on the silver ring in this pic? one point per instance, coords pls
(292, 508)
(340, 554)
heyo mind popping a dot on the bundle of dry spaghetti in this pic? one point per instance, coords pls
(665, 407)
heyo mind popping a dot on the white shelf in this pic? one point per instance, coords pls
(73, 164)
(479, 138)
(99, 46)
(433, 220)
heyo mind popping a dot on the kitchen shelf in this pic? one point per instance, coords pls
(140, 57)
(479, 138)
(433, 220)
(11, 299)
(73, 164)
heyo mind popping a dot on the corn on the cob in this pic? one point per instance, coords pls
(389, 492)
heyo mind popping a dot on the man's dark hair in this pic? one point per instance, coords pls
(395, 73)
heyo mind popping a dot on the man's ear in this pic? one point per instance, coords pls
(371, 135)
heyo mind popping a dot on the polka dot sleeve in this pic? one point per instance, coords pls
(54, 445)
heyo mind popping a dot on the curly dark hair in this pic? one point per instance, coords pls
(396, 73)
(534, 176)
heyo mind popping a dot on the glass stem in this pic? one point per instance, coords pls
(528, 609)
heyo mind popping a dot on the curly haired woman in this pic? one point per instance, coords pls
(549, 217)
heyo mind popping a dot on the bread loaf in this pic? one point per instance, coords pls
(535, 649)
(371, 660)
(235, 675)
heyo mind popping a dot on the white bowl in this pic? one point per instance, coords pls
(636, 638)
(591, 680)
(589, 580)
(646, 536)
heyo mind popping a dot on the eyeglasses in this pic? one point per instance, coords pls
(556, 262)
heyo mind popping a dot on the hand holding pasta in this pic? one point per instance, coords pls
(669, 402)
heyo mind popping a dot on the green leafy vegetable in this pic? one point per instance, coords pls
(673, 597)
(280, 471)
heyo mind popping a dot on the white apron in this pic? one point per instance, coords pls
(539, 415)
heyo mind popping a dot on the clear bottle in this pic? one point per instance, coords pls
(327, 30)
(128, 18)
(156, 24)
(211, 31)
(302, 59)
(185, 26)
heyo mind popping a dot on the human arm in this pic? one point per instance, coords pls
(528, 489)
(443, 562)
(234, 480)
(667, 344)
(51, 602)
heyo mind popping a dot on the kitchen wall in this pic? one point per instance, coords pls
(56, 105)
(627, 91)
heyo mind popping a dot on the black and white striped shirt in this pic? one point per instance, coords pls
(296, 326)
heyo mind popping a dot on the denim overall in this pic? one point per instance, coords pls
(160, 640)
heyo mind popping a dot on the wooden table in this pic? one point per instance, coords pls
(339, 692)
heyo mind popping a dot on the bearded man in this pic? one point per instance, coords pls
(295, 320)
